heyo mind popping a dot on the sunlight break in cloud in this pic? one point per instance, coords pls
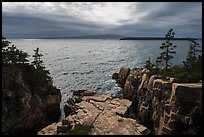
(105, 13)
(50, 19)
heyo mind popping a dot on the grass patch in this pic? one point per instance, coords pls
(80, 129)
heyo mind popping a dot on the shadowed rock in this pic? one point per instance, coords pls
(162, 105)
(24, 110)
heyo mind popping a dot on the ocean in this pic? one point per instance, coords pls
(90, 63)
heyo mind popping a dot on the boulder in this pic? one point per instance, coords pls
(84, 92)
(129, 87)
(65, 122)
(89, 92)
(78, 92)
(144, 81)
(63, 128)
(68, 109)
(123, 74)
(115, 76)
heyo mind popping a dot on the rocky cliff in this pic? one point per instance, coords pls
(25, 111)
(150, 105)
(96, 114)
(164, 106)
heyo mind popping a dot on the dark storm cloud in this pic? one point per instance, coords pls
(153, 19)
(24, 26)
(185, 18)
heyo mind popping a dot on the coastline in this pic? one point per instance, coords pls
(147, 101)
(158, 38)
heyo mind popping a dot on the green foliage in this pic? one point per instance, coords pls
(189, 71)
(148, 64)
(22, 57)
(5, 43)
(193, 62)
(168, 51)
(164, 58)
(153, 69)
(38, 80)
(34, 74)
(193, 59)
(38, 63)
(40, 76)
(11, 54)
(80, 129)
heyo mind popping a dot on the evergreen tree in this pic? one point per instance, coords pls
(5, 44)
(22, 56)
(38, 63)
(12, 55)
(168, 50)
(194, 49)
(193, 59)
(148, 64)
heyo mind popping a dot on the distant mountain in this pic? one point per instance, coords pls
(102, 36)
(156, 38)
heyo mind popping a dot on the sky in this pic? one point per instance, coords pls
(64, 19)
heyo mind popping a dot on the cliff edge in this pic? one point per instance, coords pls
(25, 109)
(165, 106)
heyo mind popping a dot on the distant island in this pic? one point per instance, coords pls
(101, 36)
(157, 38)
(115, 36)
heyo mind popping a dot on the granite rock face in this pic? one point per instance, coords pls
(122, 76)
(24, 111)
(163, 106)
(129, 87)
(105, 114)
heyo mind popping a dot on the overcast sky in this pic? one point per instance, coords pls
(52, 19)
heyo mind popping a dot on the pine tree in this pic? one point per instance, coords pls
(193, 58)
(168, 50)
(11, 54)
(38, 63)
(148, 64)
(5, 44)
(194, 48)
(22, 56)
(41, 74)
